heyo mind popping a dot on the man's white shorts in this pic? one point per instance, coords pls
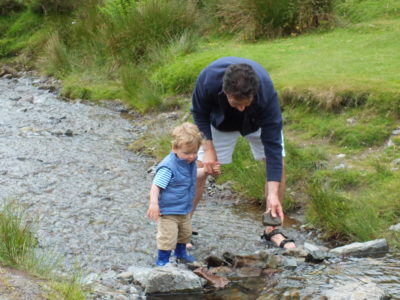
(224, 144)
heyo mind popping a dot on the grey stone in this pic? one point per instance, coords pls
(395, 227)
(296, 252)
(317, 256)
(355, 291)
(140, 274)
(28, 99)
(90, 278)
(351, 121)
(290, 263)
(170, 279)
(310, 247)
(369, 248)
(396, 131)
(340, 167)
(125, 275)
(274, 261)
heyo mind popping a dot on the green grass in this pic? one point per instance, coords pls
(19, 33)
(19, 249)
(363, 57)
(355, 128)
(16, 238)
(366, 10)
(244, 167)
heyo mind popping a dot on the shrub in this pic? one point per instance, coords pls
(135, 26)
(327, 100)
(143, 94)
(268, 18)
(7, 6)
(16, 238)
(48, 7)
(56, 60)
(361, 11)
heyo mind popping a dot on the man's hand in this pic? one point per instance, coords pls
(273, 203)
(153, 212)
(210, 160)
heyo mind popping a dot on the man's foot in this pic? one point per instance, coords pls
(278, 238)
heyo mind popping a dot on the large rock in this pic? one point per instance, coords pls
(167, 279)
(363, 249)
(355, 291)
(395, 227)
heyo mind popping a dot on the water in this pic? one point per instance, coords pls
(69, 164)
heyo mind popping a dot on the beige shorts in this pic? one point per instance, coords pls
(224, 144)
(173, 229)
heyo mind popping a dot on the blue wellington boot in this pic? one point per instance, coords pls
(180, 253)
(163, 257)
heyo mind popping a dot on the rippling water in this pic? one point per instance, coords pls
(68, 163)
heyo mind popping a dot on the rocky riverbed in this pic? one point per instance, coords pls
(68, 162)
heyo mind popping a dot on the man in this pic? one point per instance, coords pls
(235, 96)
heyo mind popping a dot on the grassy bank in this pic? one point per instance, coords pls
(19, 249)
(338, 85)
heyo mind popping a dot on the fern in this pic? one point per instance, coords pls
(117, 12)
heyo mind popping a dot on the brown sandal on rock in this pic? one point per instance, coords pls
(268, 236)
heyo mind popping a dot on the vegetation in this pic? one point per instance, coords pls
(334, 63)
(18, 248)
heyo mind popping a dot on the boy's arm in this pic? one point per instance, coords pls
(200, 172)
(154, 210)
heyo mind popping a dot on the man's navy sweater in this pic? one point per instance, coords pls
(210, 107)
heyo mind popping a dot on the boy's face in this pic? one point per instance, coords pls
(186, 152)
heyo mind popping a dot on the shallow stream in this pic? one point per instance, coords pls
(68, 163)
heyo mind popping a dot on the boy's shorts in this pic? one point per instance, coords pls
(173, 229)
(224, 144)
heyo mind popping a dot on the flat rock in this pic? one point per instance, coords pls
(355, 291)
(171, 279)
(369, 248)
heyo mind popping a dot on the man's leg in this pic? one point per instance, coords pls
(224, 144)
(278, 238)
(257, 149)
(200, 183)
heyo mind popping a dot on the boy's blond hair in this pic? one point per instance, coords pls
(186, 134)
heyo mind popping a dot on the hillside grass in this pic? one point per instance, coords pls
(359, 58)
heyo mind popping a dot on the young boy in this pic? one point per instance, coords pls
(172, 194)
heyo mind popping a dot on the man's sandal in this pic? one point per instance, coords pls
(268, 236)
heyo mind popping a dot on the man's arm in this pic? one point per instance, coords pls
(272, 199)
(201, 109)
(271, 137)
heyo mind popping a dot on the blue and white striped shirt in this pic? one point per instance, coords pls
(162, 178)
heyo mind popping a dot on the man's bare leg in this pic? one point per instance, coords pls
(278, 238)
(200, 183)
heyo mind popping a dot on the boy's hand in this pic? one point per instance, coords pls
(216, 169)
(153, 212)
